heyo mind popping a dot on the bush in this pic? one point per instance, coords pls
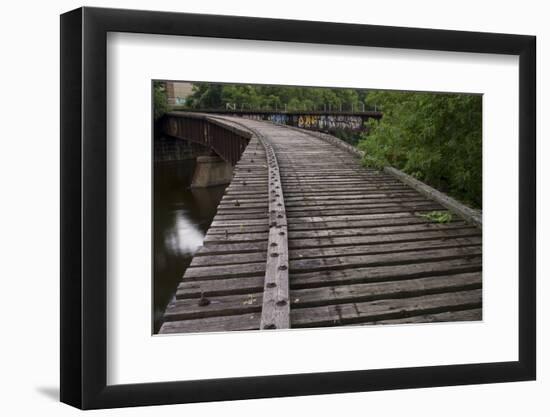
(433, 137)
(160, 100)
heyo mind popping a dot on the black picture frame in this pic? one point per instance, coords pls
(84, 207)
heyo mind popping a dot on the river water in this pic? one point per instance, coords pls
(181, 218)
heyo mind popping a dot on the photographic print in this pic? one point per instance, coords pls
(285, 207)
(243, 206)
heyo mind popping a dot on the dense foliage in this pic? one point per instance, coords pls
(256, 97)
(160, 100)
(434, 137)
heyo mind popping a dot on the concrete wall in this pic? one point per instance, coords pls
(210, 171)
(168, 149)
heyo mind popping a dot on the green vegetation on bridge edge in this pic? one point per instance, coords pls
(436, 138)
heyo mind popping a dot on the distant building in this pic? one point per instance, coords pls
(177, 92)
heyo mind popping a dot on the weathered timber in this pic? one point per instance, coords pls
(474, 314)
(226, 248)
(236, 258)
(305, 236)
(226, 305)
(384, 290)
(248, 321)
(397, 308)
(400, 258)
(224, 271)
(381, 248)
(384, 273)
(225, 286)
(297, 231)
(335, 240)
(276, 304)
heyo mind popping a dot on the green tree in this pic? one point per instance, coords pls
(206, 96)
(257, 97)
(160, 100)
(436, 138)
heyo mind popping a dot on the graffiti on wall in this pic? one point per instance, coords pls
(323, 122)
(281, 119)
(253, 116)
(329, 122)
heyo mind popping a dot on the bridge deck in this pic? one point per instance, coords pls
(358, 252)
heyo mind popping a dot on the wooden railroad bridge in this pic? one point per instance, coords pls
(305, 236)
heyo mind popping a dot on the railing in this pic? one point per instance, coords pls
(311, 120)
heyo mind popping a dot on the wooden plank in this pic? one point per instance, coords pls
(358, 261)
(474, 314)
(410, 209)
(336, 240)
(242, 204)
(244, 188)
(242, 212)
(276, 304)
(230, 259)
(328, 188)
(250, 321)
(312, 297)
(384, 234)
(224, 271)
(216, 306)
(363, 190)
(223, 223)
(403, 224)
(337, 182)
(239, 204)
(243, 228)
(369, 227)
(379, 248)
(236, 237)
(383, 273)
(241, 217)
(341, 314)
(353, 217)
(223, 286)
(416, 202)
(363, 199)
(298, 197)
(224, 248)
(245, 197)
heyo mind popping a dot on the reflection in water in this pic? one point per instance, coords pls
(181, 218)
(185, 237)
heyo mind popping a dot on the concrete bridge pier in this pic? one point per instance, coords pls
(211, 170)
